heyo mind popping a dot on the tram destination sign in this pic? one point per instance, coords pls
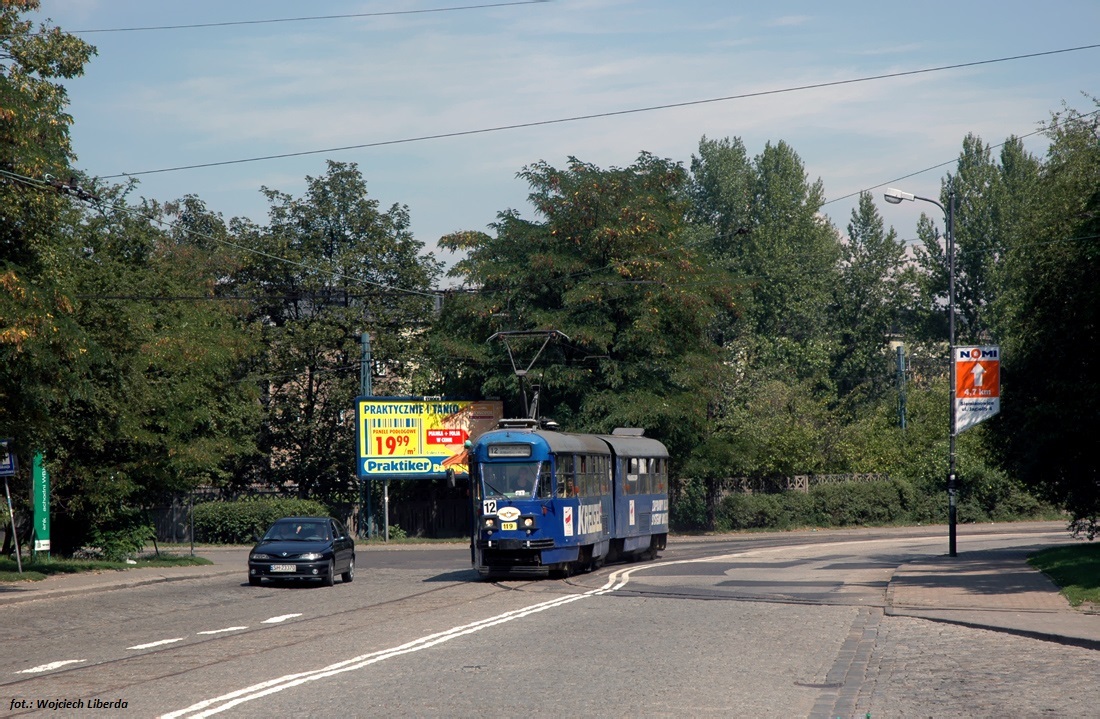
(977, 385)
(418, 438)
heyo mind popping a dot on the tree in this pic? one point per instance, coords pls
(1051, 339)
(871, 296)
(328, 267)
(111, 361)
(37, 329)
(35, 305)
(780, 252)
(610, 263)
(766, 233)
(989, 200)
(164, 404)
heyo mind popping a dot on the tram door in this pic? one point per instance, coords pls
(475, 509)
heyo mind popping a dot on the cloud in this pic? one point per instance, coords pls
(176, 98)
(789, 21)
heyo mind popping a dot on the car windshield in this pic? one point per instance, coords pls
(512, 479)
(298, 531)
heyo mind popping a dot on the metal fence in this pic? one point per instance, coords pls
(441, 518)
(797, 483)
(172, 520)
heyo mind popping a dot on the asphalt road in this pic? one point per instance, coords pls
(759, 626)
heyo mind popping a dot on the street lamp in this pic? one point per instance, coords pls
(895, 197)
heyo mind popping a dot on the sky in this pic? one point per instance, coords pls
(391, 73)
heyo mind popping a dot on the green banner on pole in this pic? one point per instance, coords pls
(41, 479)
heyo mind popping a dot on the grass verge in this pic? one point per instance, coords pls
(34, 570)
(1075, 568)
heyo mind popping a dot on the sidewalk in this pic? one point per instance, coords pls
(225, 561)
(995, 590)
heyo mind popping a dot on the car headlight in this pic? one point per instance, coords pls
(261, 557)
(310, 556)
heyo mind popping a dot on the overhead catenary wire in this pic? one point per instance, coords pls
(308, 18)
(47, 185)
(599, 115)
(946, 163)
(435, 294)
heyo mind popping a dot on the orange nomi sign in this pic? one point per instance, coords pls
(977, 385)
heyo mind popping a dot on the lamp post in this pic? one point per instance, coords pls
(895, 197)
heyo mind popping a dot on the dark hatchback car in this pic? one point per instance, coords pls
(303, 548)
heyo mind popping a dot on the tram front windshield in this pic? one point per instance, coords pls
(514, 480)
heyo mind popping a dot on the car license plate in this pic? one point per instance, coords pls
(507, 525)
(283, 567)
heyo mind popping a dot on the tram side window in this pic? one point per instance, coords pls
(605, 475)
(566, 481)
(645, 477)
(592, 479)
(630, 484)
(583, 480)
(592, 473)
(662, 476)
(545, 485)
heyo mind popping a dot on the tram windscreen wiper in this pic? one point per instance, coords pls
(494, 490)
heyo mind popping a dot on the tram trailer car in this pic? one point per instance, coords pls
(548, 502)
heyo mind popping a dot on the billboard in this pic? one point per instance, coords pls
(41, 491)
(8, 463)
(417, 438)
(977, 385)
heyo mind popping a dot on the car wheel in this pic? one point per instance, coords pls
(254, 581)
(330, 575)
(350, 574)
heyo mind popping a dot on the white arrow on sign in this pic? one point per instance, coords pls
(978, 373)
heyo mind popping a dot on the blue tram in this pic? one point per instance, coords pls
(548, 502)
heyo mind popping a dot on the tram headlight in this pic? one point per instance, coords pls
(490, 523)
(528, 522)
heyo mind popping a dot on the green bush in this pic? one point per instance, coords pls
(763, 511)
(990, 497)
(827, 505)
(689, 506)
(121, 535)
(239, 522)
(861, 503)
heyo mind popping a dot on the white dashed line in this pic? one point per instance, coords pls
(157, 644)
(219, 631)
(280, 618)
(49, 667)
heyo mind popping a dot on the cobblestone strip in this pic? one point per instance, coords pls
(845, 679)
(935, 669)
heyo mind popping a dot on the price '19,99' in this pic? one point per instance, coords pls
(391, 443)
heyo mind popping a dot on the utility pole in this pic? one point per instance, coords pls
(365, 515)
(901, 386)
(895, 197)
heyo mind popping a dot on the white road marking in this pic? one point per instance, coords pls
(615, 581)
(280, 618)
(216, 705)
(157, 644)
(50, 667)
(219, 631)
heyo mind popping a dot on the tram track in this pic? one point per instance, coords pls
(148, 660)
